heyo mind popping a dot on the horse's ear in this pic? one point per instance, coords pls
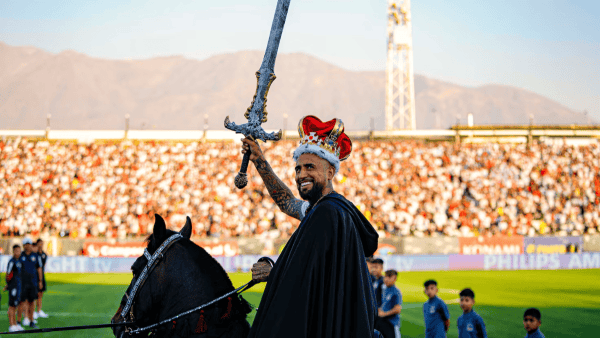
(186, 231)
(160, 228)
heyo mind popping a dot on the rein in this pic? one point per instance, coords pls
(149, 327)
(238, 290)
(68, 328)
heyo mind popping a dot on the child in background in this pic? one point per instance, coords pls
(532, 319)
(13, 285)
(470, 324)
(435, 311)
(391, 305)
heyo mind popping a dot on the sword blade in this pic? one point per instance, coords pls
(267, 67)
(268, 62)
(256, 113)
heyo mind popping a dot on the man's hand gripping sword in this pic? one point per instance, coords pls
(256, 113)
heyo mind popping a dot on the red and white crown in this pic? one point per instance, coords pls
(324, 139)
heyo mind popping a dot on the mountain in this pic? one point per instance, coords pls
(81, 92)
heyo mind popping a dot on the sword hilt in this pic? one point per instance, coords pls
(242, 179)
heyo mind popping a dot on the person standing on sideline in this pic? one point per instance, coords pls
(375, 270)
(39, 249)
(31, 281)
(320, 285)
(391, 305)
(13, 285)
(470, 324)
(435, 311)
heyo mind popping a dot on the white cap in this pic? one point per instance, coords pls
(27, 240)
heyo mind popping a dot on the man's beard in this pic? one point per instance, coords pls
(313, 195)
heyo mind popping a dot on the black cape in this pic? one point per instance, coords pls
(320, 285)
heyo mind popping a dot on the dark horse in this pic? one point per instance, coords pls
(185, 277)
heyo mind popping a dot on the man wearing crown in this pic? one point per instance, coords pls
(320, 285)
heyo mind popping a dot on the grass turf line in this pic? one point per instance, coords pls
(569, 300)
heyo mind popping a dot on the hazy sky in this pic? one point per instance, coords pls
(548, 47)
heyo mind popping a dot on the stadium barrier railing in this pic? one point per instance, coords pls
(496, 245)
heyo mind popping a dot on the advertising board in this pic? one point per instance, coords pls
(136, 249)
(455, 262)
(491, 245)
(550, 245)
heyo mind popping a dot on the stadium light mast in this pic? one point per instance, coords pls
(126, 125)
(205, 127)
(285, 117)
(399, 84)
(48, 125)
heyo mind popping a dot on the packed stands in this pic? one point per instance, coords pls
(406, 188)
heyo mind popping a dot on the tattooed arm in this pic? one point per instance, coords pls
(281, 194)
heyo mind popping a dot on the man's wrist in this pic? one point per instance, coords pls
(260, 162)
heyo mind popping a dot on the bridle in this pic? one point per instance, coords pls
(127, 311)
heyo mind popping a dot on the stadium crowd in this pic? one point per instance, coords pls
(407, 188)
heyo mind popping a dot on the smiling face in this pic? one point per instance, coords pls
(312, 176)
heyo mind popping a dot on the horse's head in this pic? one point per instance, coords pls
(145, 296)
(183, 276)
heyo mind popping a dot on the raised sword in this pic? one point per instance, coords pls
(256, 113)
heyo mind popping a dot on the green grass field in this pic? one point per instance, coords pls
(569, 301)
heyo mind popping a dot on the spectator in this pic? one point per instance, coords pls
(405, 188)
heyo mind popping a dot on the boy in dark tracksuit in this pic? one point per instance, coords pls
(391, 306)
(532, 319)
(375, 269)
(470, 324)
(435, 311)
(13, 285)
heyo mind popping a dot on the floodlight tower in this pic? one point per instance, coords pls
(399, 84)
